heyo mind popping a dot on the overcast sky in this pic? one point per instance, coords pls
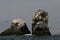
(10, 9)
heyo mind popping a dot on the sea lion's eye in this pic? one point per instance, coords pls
(16, 23)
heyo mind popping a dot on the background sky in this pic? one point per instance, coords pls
(10, 9)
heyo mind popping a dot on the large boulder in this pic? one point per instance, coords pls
(40, 23)
(18, 27)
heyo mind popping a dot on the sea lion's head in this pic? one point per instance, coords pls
(18, 23)
(38, 15)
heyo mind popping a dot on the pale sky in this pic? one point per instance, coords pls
(10, 9)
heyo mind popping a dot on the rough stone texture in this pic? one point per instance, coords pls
(40, 23)
(18, 27)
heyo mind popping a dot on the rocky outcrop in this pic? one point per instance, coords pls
(18, 27)
(40, 23)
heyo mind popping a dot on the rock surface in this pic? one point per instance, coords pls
(40, 23)
(18, 27)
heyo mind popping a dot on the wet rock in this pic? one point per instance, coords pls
(18, 27)
(40, 23)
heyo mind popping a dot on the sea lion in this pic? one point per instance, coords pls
(40, 22)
